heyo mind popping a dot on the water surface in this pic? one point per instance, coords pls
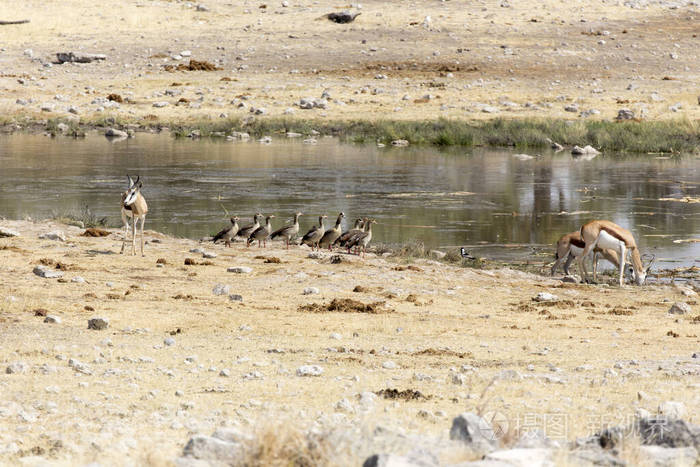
(489, 201)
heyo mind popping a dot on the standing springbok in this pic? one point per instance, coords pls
(608, 235)
(134, 206)
(570, 247)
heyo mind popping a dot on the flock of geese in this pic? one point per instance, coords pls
(317, 237)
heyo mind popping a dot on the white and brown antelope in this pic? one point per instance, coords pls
(604, 234)
(570, 247)
(134, 206)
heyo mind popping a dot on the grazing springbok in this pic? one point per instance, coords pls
(608, 235)
(570, 247)
(134, 206)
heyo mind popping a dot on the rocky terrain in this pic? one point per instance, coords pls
(153, 61)
(282, 354)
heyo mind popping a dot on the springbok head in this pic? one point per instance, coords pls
(132, 191)
(641, 276)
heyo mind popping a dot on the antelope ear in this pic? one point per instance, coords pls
(139, 184)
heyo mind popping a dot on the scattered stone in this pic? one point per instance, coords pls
(168, 341)
(212, 449)
(389, 365)
(225, 373)
(160, 104)
(51, 319)
(80, 57)
(235, 297)
(661, 431)
(336, 336)
(417, 458)
(42, 271)
(16, 368)
(309, 370)
(240, 269)
(521, 456)
(312, 103)
(221, 289)
(342, 17)
(400, 143)
(545, 297)
(310, 291)
(571, 108)
(473, 430)
(56, 235)
(672, 410)
(680, 308)
(624, 114)
(98, 324)
(209, 255)
(5, 232)
(667, 457)
(579, 151)
(114, 133)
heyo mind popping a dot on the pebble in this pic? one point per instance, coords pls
(42, 271)
(389, 365)
(545, 297)
(310, 291)
(16, 368)
(78, 280)
(309, 370)
(225, 373)
(114, 133)
(680, 308)
(98, 323)
(52, 319)
(235, 297)
(209, 255)
(168, 341)
(335, 336)
(5, 232)
(160, 104)
(240, 269)
(53, 235)
(672, 410)
(221, 289)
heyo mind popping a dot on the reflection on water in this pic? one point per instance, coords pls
(442, 198)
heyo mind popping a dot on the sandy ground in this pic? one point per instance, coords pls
(473, 60)
(468, 340)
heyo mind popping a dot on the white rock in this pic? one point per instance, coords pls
(168, 341)
(52, 319)
(545, 297)
(680, 308)
(161, 104)
(335, 336)
(659, 456)
(53, 235)
(5, 232)
(240, 269)
(310, 291)
(42, 271)
(16, 368)
(78, 280)
(536, 457)
(221, 289)
(672, 410)
(234, 297)
(389, 365)
(309, 370)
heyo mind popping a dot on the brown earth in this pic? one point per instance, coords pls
(522, 58)
(478, 343)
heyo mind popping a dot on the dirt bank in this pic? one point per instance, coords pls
(178, 359)
(432, 59)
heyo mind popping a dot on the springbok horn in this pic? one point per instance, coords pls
(129, 180)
